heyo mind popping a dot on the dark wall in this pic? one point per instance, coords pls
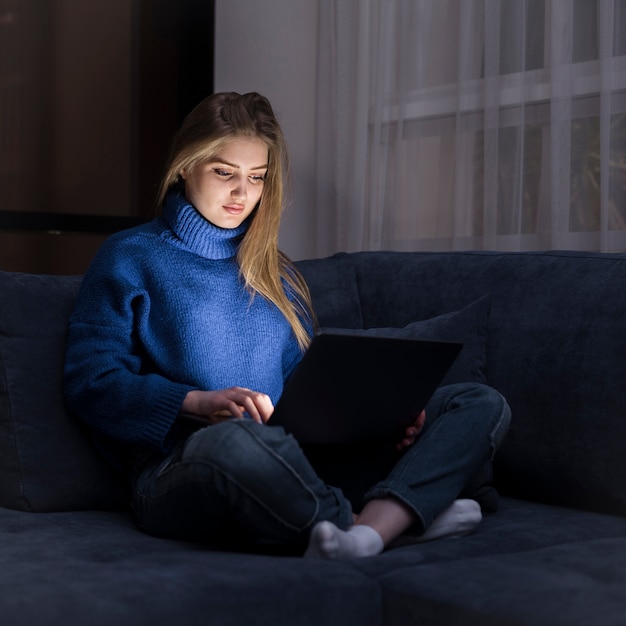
(90, 96)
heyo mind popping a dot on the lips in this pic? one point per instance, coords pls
(234, 209)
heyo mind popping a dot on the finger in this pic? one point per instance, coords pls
(252, 410)
(235, 402)
(221, 416)
(234, 409)
(266, 407)
(258, 405)
(405, 443)
(410, 434)
(263, 405)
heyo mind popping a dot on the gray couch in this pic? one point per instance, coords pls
(548, 330)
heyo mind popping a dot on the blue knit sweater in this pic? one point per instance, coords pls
(162, 310)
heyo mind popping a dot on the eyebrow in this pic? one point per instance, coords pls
(218, 159)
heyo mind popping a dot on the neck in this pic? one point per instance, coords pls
(196, 233)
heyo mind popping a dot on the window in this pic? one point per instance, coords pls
(497, 124)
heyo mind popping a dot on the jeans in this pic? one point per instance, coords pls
(239, 483)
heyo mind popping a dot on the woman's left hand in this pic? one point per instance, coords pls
(412, 432)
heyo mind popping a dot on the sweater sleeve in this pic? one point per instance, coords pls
(109, 381)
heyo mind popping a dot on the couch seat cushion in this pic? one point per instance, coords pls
(563, 585)
(95, 569)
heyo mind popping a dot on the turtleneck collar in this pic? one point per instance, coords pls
(196, 233)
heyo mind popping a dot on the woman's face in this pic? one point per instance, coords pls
(226, 189)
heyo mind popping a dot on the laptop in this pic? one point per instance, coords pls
(361, 388)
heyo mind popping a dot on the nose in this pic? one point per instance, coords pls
(240, 189)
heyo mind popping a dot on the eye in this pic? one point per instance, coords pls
(222, 173)
(257, 178)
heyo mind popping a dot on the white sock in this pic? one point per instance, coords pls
(329, 542)
(460, 518)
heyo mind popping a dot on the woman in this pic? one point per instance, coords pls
(198, 314)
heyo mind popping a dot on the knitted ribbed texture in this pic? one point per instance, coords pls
(162, 310)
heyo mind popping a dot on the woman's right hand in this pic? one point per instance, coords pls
(216, 406)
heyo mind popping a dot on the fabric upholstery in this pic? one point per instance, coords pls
(570, 584)
(47, 461)
(552, 554)
(334, 290)
(91, 568)
(95, 568)
(555, 349)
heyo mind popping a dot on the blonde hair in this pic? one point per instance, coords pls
(264, 269)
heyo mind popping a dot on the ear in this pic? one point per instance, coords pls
(183, 174)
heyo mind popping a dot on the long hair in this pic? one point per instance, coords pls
(264, 269)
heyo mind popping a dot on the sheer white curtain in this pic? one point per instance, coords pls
(471, 124)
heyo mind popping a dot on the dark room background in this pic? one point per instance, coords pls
(90, 95)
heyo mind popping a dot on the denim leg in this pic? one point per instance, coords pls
(465, 424)
(236, 478)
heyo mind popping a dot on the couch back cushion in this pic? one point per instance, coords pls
(47, 460)
(556, 349)
(334, 290)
